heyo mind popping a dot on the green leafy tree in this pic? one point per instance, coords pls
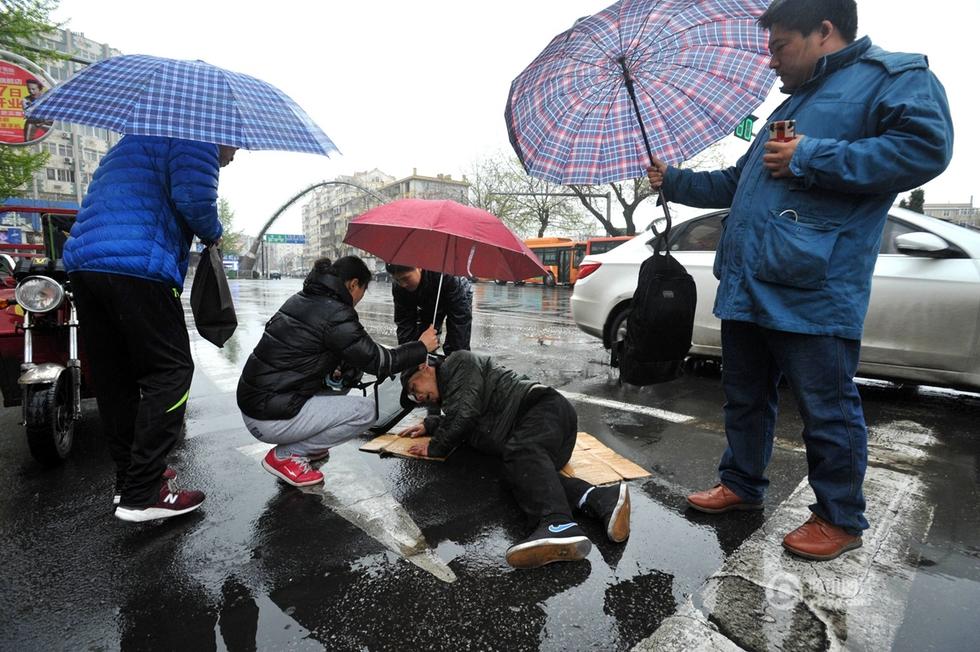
(231, 240)
(917, 200)
(21, 23)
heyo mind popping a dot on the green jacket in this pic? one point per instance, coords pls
(480, 401)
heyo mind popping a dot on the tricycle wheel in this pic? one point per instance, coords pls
(50, 424)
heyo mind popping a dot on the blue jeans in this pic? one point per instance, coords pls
(820, 371)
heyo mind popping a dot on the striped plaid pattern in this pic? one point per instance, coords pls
(699, 67)
(193, 100)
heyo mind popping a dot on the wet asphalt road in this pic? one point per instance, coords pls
(264, 566)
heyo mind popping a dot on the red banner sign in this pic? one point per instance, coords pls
(18, 89)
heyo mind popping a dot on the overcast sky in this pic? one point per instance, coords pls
(400, 85)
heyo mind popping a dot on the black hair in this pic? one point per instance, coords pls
(33, 81)
(344, 268)
(398, 269)
(804, 16)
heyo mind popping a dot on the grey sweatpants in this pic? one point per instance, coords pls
(325, 420)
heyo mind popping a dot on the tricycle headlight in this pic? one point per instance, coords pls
(39, 294)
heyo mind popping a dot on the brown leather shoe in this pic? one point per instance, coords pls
(720, 499)
(820, 541)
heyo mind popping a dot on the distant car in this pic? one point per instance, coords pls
(923, 322)
(275, 275)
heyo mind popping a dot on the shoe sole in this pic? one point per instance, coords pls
(737, 507)
(546, 551)
(854, 545)
(619, 523)
(150, 513)
(287, 479)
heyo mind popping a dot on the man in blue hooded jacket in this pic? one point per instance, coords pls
(798, 250)
(126, 257)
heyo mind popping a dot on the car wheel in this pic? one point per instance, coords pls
(499, 282)
(617, 326)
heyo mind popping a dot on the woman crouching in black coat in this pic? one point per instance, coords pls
(317, 334)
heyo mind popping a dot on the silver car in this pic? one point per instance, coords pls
(923, 323)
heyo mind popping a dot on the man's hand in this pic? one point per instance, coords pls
(656, 172)
(778, 156)
(430, 339)
(421, 449)
(418, 430)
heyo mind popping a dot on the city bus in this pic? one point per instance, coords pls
(562, 256)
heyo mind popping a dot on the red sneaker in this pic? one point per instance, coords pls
(168, 475)
(172, 502)
(294, 470)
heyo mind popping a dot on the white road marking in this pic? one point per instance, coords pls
(665, 415)
(357, 495)
(764, 598)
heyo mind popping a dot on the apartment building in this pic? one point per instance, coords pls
(75, 150)
(331, 208)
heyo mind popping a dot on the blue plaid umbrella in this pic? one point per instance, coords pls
(640, 77)
(193, 100)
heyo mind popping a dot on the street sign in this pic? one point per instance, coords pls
(11, 236)
(744, 128)
(285, 238)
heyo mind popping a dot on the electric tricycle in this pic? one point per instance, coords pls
(41, 364)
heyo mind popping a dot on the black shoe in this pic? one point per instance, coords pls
(612, 505)
(550, 542)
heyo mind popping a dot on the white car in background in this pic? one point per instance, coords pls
(923, 322)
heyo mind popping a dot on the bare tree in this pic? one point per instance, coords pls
(630, 194)
(527, 205)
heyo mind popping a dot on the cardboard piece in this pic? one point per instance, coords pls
(598, 464)
(591, 460)
(391, 444)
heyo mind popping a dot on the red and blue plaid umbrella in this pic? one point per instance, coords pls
(193, 100)
(641, 78)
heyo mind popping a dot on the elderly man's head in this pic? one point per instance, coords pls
(420, 385)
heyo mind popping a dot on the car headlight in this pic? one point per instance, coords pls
(39, 294)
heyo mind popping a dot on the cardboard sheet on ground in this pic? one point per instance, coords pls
(591, 461)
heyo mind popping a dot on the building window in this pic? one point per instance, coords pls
(65, 150)
(50, 172)
(65, 175)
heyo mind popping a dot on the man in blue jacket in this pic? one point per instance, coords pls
(798, 250)
(126, 257)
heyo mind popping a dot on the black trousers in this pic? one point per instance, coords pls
(540, 444)
(136, 340)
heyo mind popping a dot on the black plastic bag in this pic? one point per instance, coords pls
(214, 311)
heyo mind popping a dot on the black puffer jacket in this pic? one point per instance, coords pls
(480, 400)
(313, 333)
(414, 310)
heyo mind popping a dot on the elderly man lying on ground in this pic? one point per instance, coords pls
(532, 428)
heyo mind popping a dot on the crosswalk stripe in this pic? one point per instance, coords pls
(762, 597)
(357, 495)
(665, 415)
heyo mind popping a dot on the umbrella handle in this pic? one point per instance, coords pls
(646, 141)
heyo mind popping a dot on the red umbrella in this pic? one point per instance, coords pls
(443, 236)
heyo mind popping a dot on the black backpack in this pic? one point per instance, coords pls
(660, 323)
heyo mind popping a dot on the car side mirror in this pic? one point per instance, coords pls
(924, 244)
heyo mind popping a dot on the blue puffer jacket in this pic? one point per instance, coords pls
(148, 197)
(798, 254)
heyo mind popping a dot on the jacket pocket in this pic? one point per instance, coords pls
(796, 250)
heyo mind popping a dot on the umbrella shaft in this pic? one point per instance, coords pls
(646, 140)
